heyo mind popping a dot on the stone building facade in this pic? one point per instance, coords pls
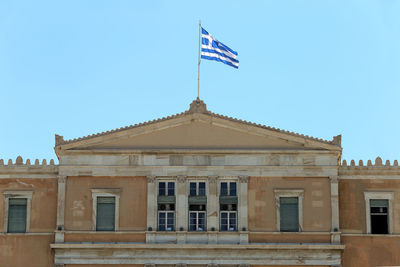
(200, 189)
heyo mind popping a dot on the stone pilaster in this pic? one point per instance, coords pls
(335, 237)
(62, 180)
(212, 204)
(181, 208)
(151, 203)
(243, 209)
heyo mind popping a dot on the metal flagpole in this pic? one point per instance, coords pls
(198, 72)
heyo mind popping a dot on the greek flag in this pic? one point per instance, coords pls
(214, 50)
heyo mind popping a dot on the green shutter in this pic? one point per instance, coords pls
(289, 214)
(17, 215)
(105, 216)
(379, 203)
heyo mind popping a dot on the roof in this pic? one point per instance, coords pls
(198, 106)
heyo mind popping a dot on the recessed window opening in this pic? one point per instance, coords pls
(289, 214)
(228, 213)
(197, 217)
(197, 189)
(166, 188)
(166, 217)
(17, 209)
(105, 214)
(379, 216)
(228, 189)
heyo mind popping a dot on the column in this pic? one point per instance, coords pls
(243, 209)
(62, 179)
(151, 208)
(335, 236)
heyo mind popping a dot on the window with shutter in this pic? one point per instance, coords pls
(289, 214)
(105, 215)
(17, 208)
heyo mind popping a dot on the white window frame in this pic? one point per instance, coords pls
(228, 213)
(299, 193)
(197, 220)
(114, 192)
(379, 195)
(166, 181)
(18, 194)
(166, 220)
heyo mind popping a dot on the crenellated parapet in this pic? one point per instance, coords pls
(27, 169)
(377, 169)
(20, 162)
(378, 163)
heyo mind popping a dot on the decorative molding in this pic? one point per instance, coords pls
(334, 179)
(244, 179)
(180, 265)
(18, 194)
(62, 178)
(151, 179)
(379, 195)
(106, 192)
(212, 179)
(289, 193)
(181, 179)
(244, 265)
(149, 265)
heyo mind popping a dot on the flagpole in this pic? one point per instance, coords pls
(198, 71)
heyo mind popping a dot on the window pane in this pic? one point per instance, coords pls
(224, 189)
(379, 224)
(170, 221)
(289, 214)
(171, 188)
(161, 221)
(17, 215)
(224, 221)
(232, 189)
(192, 221)
(192, 189)
(105, 217)
(201, 220)
(161, 188)
(232, 221)
(202, 189)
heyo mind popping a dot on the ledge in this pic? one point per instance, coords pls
(269, 246)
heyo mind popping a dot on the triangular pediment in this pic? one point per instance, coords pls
(196, 129)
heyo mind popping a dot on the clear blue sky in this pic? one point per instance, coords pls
(319, 68)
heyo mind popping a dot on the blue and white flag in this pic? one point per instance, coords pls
(212, 49)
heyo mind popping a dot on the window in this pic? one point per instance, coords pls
(289, 209)
(17, 215)
(289, 214)
(197, 218)
(197, 189)
(17, 211)
(105, 216)
(105, 212)
(379, 212)
(228, 189)
(166, 206)
(228, 213)
(166, 217)
(166, 188)
(379, 216)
